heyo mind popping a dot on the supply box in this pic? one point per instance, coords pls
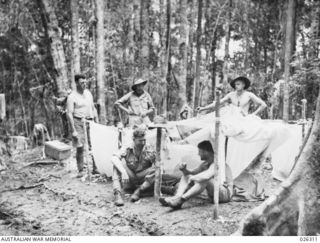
(57, 150)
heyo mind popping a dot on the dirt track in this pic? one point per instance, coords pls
(61, 204)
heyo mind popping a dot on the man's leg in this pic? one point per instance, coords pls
(183, 186)
(78, 143)
(147, 178)
(195, 190)
(79, 158)
(116, 179)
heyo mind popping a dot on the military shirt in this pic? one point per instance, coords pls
(138, 105)
(137, 163)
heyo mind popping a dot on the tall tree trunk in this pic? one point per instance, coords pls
(168, 49)
(131, 43)
(144, 37)
(53, 32)
(181, 74)
(100, 60)
(75, 67)
(196, 89)
(290, 40)
(191, 64)
(315, 28)
(214, 65)
(137, 30)
(165, 33)
(246, 36)
(225, 68)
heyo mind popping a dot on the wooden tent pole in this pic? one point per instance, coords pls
(216, 157)
(304, 117)
(157, 184)
(86, 148)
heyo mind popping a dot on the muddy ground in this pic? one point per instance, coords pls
(57, 203)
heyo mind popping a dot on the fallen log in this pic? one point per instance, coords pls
(41, 162)
(22, 187)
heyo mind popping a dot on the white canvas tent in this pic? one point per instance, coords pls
(280, 140)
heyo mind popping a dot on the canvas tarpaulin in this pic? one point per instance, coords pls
(248, 137)
(104, 142)
(2, 107)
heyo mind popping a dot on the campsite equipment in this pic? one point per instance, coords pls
(57, 150)
(216, 158)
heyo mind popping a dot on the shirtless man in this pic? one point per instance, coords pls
(240, 97)
(193, 182)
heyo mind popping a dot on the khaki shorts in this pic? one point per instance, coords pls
(79, 141)
(225, 192)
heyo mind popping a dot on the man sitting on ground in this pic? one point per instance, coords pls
(133, 167)
(193, 182)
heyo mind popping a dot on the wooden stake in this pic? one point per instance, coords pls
(216, 157)
(157, 184)
(304, 108)
(86, 148)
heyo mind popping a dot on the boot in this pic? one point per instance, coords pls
(136, 195)
(175, 203)
(80, 174)
(163, 201)
(118, 201)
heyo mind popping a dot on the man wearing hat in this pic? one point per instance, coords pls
(240, 97)
(193, 182)
(133, 167)
(139, 104)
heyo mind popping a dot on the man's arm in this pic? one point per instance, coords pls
(124, 99)
(185, 171)
(213, 104)
(258, 101)
(70, 109)
(205, 175)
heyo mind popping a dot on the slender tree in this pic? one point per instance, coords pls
(183, 53)
(225, 68)
(196, 89)
(165, 33)
(289, 47)
(75, 67)
(100, 59)
(191, 63)
(144, 37)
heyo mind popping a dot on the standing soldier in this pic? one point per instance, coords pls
(80, 106)
(139, 104)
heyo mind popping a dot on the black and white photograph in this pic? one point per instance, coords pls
(159, 118)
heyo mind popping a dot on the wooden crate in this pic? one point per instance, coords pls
(57, 150)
